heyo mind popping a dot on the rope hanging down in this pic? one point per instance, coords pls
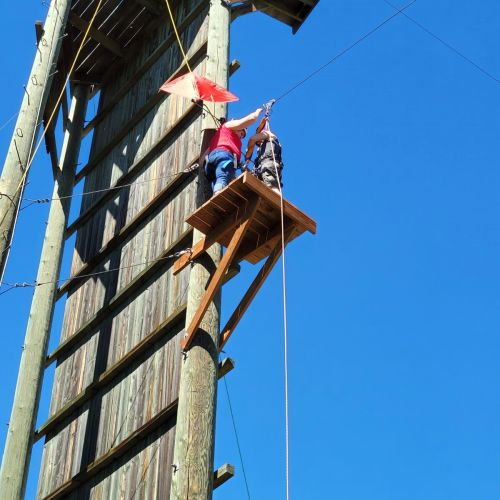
(285, 327)
(237, 438)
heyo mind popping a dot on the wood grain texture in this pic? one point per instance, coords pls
(121, 369)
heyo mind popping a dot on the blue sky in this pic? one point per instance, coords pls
(393, 306)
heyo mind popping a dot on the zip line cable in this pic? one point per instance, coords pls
(237, 439)
(446, 44)
(347, 49)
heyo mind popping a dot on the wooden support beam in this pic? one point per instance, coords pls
(158, 52)
(270, 240)
(139, 281)
(169, 136)
(38, 31)
(97, 35)
(277, 8)
(234, 67)
(311, 3)
(244, 8)
(194, 452)
(152, 7)
(223, 474)
(207, 241)
(19, 441)
(14, 175)
(216, 281)
(252, 291)
(226, 366)
(126, 231)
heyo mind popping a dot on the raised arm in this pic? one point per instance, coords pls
(245, 121)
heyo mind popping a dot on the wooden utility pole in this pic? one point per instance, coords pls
(28, 122)
(22, 423)
(195, 428)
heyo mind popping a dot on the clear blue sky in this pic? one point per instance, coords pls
(394, 305)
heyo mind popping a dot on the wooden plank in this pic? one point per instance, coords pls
(290, 210)
(185, 120)
(115, 453)
(277, 8)
(144, 67)
(234, 67)
(252, 291)
(227, 225)
(97, 35)
(151, 6)
(223, 474)
(216, 280)
(199, 53)
(226, 366)
(106, 378)
(156, 203)
(117, 300)
(246, 7)
(120, 135)
(270, 240)
(114, 371)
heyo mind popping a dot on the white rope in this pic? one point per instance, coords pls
(285, 329)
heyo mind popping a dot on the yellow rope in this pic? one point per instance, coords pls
(177, 36)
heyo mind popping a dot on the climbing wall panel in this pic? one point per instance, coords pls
(112, 412)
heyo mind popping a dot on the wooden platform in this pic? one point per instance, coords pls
(245, 217)
(265, 227)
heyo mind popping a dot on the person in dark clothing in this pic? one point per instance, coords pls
(268, 164)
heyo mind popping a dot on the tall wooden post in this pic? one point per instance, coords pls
(22, 423)
(28, 122)
(195, 428)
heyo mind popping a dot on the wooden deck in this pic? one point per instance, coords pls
(245, 217)
(265, 228)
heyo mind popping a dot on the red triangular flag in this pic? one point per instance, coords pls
(197, 87)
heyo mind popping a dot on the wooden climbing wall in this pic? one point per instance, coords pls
(111, 425)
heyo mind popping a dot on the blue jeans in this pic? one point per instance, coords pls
(220, 168)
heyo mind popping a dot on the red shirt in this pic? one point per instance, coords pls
(226, 139)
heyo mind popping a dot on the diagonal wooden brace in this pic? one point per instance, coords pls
(218, 277)
(254, 288)
(208, 240)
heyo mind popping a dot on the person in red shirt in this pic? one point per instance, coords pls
(224, 150)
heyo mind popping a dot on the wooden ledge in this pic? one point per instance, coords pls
(245, 217)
